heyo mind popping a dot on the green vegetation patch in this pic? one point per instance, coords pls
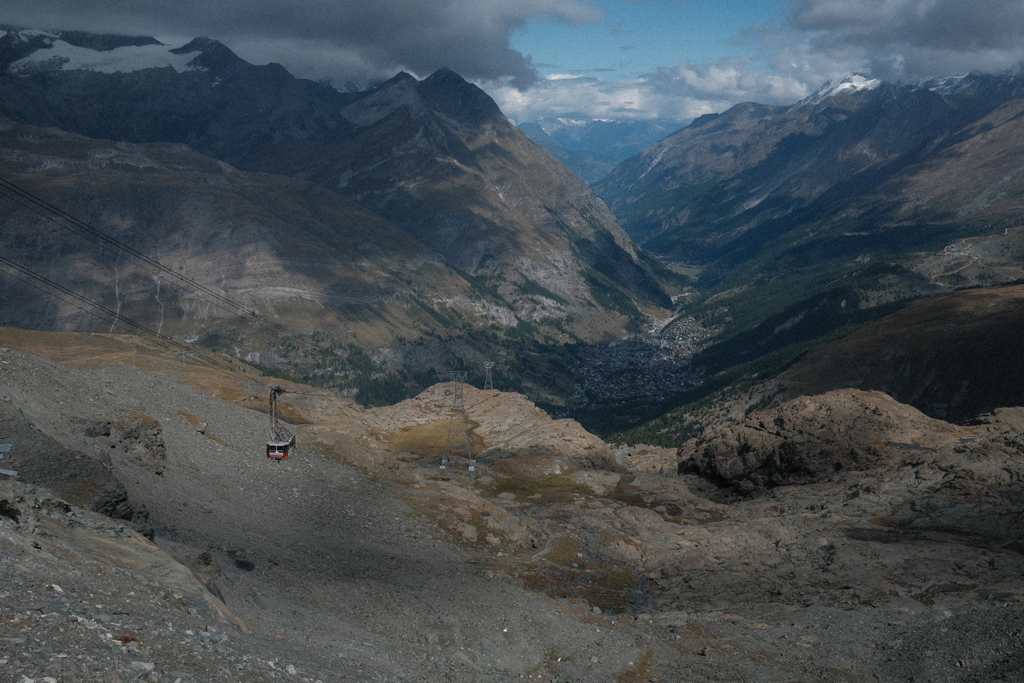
(553, 488)
(531, 288)
(608, 296)
(626, 492)
(610, 587)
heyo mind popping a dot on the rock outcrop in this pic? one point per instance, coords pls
(810, 439)
(507, 424)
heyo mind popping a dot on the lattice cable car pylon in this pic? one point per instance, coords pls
(459, 410)
(488, 382)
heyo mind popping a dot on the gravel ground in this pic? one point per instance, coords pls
(309, 570)
(330, 571)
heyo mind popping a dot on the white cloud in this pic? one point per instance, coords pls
(680, 93)
(730, 80)
(896, 40)
(586, 97)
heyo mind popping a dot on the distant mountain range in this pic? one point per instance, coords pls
(412, 212)
(711, 188)
(592, 148)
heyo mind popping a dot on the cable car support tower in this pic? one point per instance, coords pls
(459, 411)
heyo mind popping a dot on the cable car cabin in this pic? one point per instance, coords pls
(279, 450)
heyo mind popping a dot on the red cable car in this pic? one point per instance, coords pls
(282, 442)
(279, 450)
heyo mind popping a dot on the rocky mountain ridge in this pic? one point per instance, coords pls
(436, 157)
(697, 193)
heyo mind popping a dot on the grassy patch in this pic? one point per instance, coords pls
(563, 551)
(546, 489)
(430, 438)
(626, 493)
(609, 587)
(200, 426)
(531, 288)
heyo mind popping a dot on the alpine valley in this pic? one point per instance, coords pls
(801, 223)
(411, 229)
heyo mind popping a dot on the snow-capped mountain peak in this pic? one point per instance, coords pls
(850, 84)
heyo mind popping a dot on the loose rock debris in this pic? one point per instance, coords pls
(548, 567)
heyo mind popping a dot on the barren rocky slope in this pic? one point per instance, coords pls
(273, 245)
(330, 572)
(854, 538)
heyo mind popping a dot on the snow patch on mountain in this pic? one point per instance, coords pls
(62, 56)
(948, 85)
(854, 84)
(850, 84)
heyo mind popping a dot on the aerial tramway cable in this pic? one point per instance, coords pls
(61, 218)
(77, 300)
(74, 297)
(282, 442)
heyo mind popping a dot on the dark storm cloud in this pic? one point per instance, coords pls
(339, 40)
(919, 37)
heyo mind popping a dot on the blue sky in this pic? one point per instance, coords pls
(678, 59)
(636, 38)
(584, 59)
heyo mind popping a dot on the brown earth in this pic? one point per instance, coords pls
(854, 538)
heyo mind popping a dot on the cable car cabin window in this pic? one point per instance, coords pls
(279, 450)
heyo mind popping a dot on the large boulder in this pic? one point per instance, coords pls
(812, 438)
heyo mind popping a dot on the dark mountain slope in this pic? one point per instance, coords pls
(287, 249)
(952, 357)
(437, 158)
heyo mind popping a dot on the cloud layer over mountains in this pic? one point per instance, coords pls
(818, 41)
(330, 39)
(915, 38)
(352, 41)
